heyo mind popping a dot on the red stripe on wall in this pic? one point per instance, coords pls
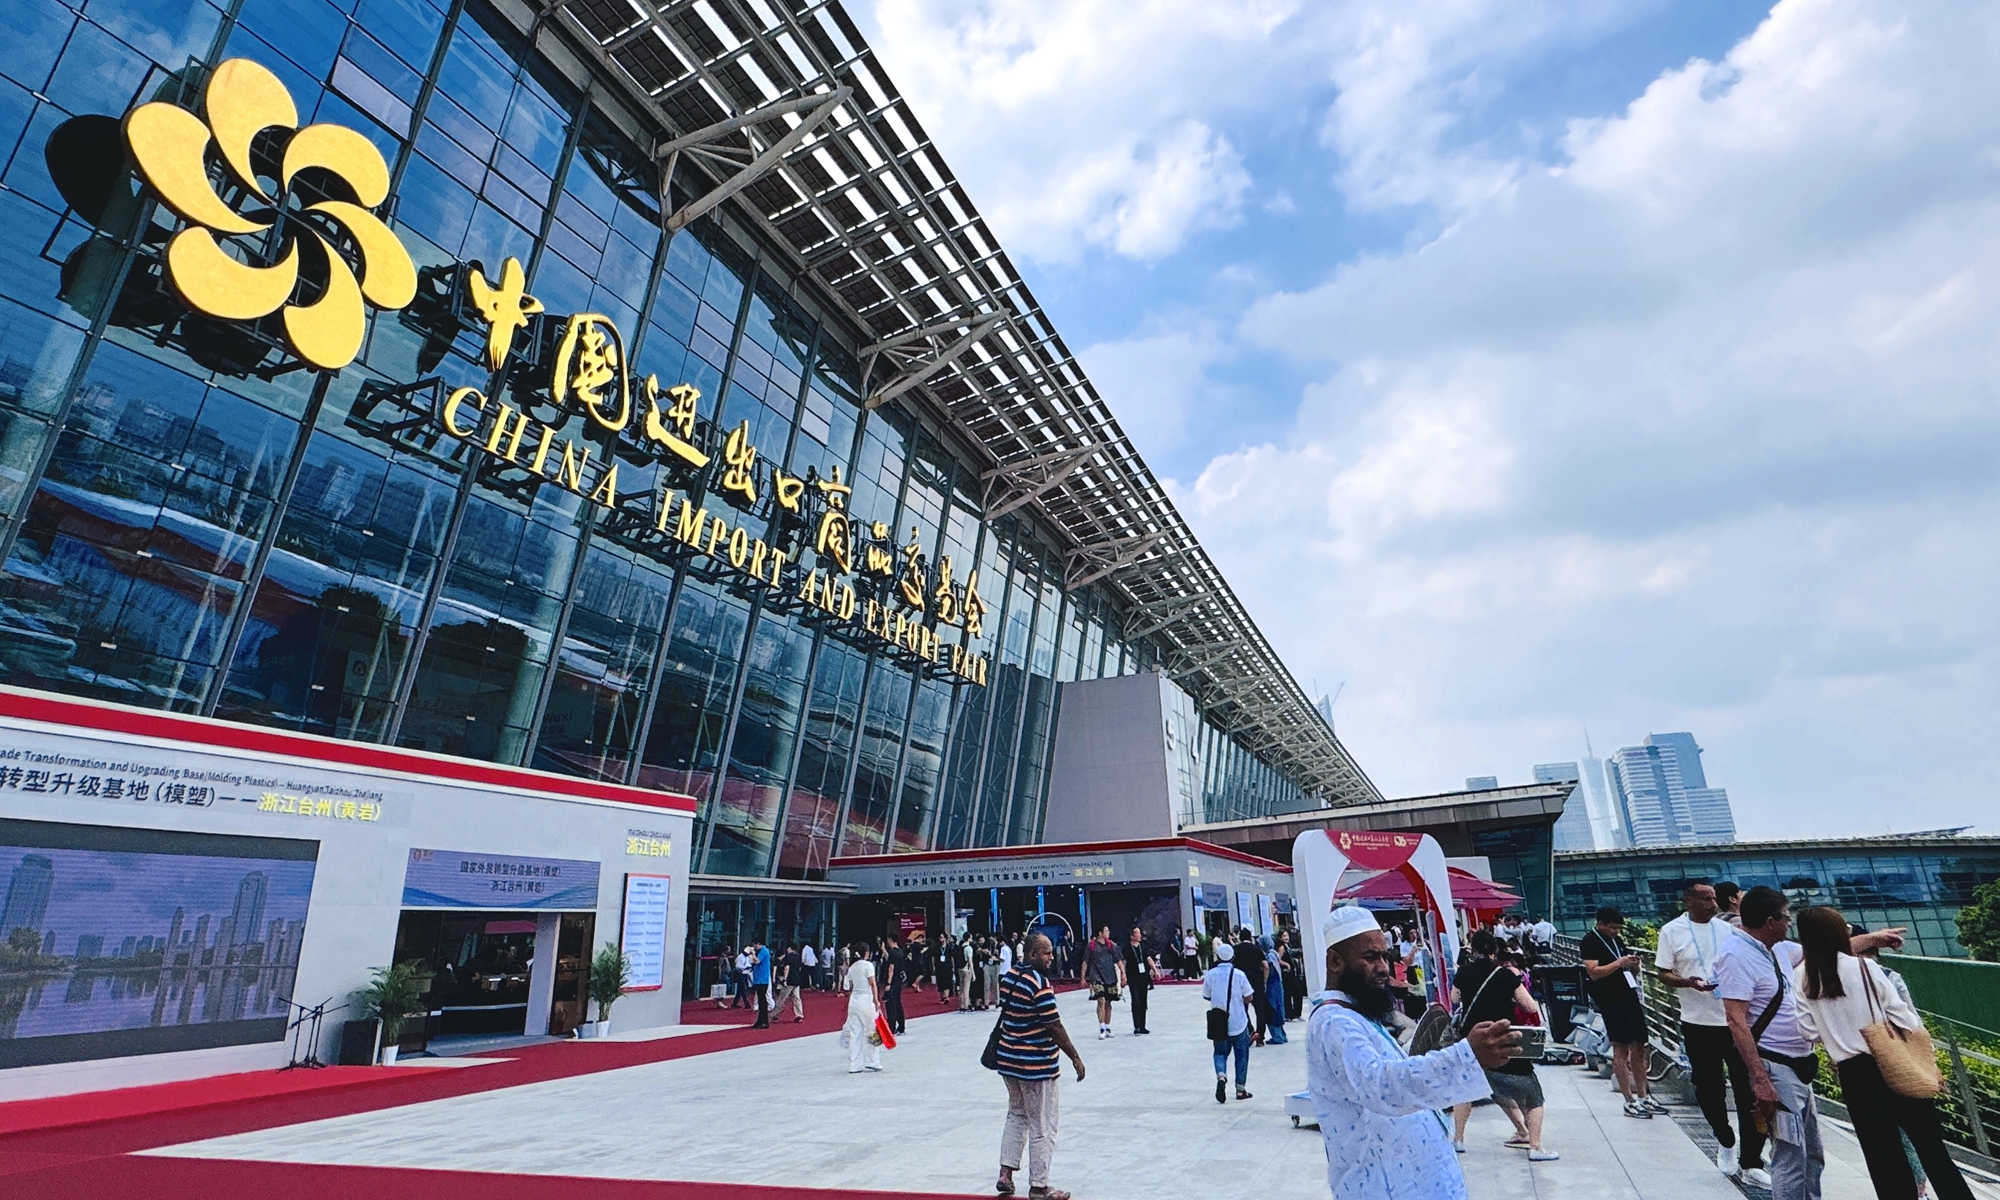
(102, 717)
(994, 852)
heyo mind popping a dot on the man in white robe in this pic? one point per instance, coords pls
(1377, 1107)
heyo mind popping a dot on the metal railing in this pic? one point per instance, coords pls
(1968, 1058)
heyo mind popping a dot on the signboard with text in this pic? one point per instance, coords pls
(643, 934)
(467, 879)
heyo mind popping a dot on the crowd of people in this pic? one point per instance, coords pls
(1755, 1004)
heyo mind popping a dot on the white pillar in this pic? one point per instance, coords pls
(542, 973)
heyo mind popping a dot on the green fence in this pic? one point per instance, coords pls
(1958, 988)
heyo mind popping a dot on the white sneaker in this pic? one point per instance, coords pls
(1543, 1156)
(1653, 1104)
(1636, 1109)
(1725, 1160)
(1757, 1177)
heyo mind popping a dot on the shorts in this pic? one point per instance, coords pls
(1521, 1091)
(1103, 991)
(1624, 1022)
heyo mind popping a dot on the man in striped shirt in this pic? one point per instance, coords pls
(1031, 1033)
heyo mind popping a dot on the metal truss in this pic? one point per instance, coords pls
(785, 110)
(919, 354)
(744, 164)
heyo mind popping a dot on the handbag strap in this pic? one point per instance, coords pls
(1458, 1026)
(1765, 1018)
(1868, 987)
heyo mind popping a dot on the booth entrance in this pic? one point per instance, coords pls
(484, 968)
(1156, 910)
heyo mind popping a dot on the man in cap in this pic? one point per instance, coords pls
(1378, 1107)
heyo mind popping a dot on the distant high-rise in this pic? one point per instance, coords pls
(1572, 830)
(1482, 783)
(248, 916)
(1608, 828)
(89, 945)
(28, 892)
(1665, 793)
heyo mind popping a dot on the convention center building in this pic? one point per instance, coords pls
(621, 395)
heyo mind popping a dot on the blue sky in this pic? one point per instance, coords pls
(1538, 365)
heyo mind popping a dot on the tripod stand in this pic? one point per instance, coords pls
(308, 1021)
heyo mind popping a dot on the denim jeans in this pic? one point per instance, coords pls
(1241, 1044)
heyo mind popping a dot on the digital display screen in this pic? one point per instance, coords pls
(117, 941)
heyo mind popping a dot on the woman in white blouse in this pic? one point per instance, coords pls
(1838, 995)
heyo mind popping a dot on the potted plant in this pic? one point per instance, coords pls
(610, 973)
(396, 992)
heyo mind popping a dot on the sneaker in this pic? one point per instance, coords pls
(1221, 1089)
(1543, 1156)
(1636, 1109)
(1725, 1160)
(1757, 1177)
(870, 1067)
(1458, 1146)
(1653, 1104)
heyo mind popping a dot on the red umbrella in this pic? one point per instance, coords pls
(1468, 891)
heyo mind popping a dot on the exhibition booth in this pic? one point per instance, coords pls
(1067, 890)
(176, 891)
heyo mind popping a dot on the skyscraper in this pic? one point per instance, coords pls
(1608, 828)
(1482, 783)
(248, 916)
(28, 895)
(1572, 830)
(1665, 793)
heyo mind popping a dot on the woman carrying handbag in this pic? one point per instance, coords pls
(1882, 1053)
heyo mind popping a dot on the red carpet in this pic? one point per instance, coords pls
(92, 1108)
(53, 1156)
(99, 1177)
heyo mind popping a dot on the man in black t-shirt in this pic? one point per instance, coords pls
(1614, 990)
(896, 968)
(791, 981)
(1138, 977)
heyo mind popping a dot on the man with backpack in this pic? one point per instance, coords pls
(1023, 1049)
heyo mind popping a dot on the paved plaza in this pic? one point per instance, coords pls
(1143, 1125)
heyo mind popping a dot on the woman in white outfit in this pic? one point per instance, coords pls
(862, 1005)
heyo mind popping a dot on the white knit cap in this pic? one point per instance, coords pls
(1345, 922)
(1224, 952)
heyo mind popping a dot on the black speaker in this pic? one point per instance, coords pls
(357, 1043)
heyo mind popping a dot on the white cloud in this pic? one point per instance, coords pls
(1119, 124)
(1091, 124)
(1696, 431)
(1153, 380)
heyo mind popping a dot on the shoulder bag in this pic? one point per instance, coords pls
(1462, 1021)
(1218, 1018)
(990, 1057)
(1906, 1057)
(1806, 1067)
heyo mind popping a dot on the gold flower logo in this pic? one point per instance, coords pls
(243, 100)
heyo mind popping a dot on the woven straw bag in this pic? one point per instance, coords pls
(1905, 1057)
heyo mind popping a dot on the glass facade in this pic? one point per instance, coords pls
(1877, 882)
(188, 530)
